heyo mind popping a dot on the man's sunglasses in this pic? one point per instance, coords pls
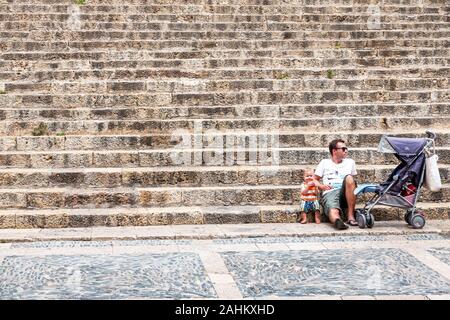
(343, 149)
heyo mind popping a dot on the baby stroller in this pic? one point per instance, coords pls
(402, 188)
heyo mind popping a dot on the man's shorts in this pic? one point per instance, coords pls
(335, 199)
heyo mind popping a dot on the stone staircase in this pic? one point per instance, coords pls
(142, 112)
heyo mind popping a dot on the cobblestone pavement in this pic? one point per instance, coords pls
(227, 262)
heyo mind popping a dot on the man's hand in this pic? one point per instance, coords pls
(324, 187)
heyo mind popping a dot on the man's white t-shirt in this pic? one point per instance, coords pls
(333, 174)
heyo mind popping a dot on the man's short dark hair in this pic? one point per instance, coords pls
(333, 144)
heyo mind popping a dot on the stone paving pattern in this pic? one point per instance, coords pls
(175, 275)
(383, 263)
(426, 236)
(81, 244)
(300, 239)
(349, 272)
(442, 254)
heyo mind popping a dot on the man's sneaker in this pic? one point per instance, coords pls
(340, 225)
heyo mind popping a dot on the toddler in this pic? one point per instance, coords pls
(309, 195)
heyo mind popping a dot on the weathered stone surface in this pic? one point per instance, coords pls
(80, 221)
(61, 160)
(60, 220)
(127, 109)
(19, 160)
(8, 221)
(39, 143)
(231, 215)
(41, 200)
(160, 198)
(277, 216)
(30, 220)
(194, 217)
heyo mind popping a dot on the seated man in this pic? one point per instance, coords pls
(338, 185)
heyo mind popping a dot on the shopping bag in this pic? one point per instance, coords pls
(432, 177)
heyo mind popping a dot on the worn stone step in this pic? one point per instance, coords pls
(354, 139)
(337, 85)
(262, 153)
(211, 26)
(183, 176)
(419, 3)
(130, 74)
(192, 9)
(245, 68)
(302, 63)
(124, 97)
(37, 46)
(79, 218)
(274, 63)
(300, 53)
(218, 35)
(221, 63)
(222, 125)
(50, 198)
(90, 71)
(231, 112)
(234, 17)
(218, 8)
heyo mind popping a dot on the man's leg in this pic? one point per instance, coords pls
(331, 205)
(335, 219)
(334, 214)
(350, 186)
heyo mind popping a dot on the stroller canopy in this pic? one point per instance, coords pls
(401, 146)
(410, 152)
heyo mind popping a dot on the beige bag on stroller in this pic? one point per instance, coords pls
(432, 177)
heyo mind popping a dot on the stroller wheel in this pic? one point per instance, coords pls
(361, 219)
(370, 220)
(417, 221)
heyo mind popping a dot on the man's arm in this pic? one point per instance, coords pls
(318, 176)
(319, 185)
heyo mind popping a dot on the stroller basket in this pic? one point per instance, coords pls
(394, 200)
(387, 199)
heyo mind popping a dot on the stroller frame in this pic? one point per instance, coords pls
(413, 217)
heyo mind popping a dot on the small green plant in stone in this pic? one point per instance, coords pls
(282, 76)
(80, 2)
(331, 74)
(338, 45)
(40, 130)
(61, 134)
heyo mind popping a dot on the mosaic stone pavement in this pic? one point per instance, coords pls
(300, 239)
(355, 272)
(175, 275)
(338, 267)
(441, 253)
(81, 244)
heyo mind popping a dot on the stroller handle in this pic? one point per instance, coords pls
(430, 134)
